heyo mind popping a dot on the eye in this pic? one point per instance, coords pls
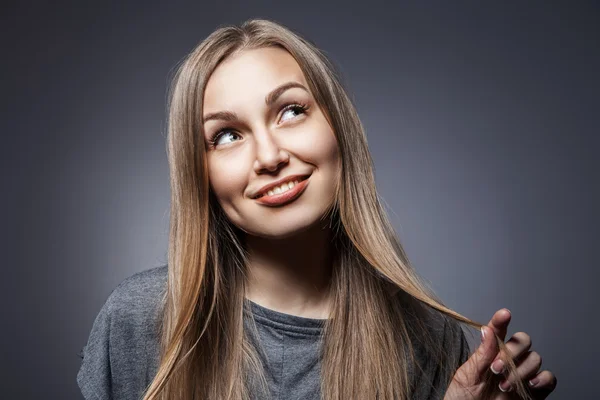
(225, 132)
(288, 109)
(291, 108)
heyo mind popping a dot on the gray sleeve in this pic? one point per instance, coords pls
(94, 376)
(465, 351)
(122, 352)
(457, 351)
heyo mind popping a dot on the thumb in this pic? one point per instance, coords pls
(474, 369)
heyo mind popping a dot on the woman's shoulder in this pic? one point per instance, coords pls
(121, 353)
(421, 318)
(131, 313)
(440, 347)
(138, 294)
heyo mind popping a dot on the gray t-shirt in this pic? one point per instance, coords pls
(122, 353)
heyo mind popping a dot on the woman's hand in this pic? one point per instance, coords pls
(468, 381)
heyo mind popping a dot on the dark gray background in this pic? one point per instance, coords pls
(483, 123)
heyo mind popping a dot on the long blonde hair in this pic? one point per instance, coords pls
(367, 342)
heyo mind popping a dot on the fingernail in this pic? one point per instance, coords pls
(534, 382)
(505, 386)
(497, 367)
(482, 334)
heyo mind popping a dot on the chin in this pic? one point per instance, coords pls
(281, 230)
(282, 233)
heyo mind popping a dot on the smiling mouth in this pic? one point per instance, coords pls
(283, 188)
(280, 197)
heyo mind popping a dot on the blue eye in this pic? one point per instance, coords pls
(223, 132)
(215, 139)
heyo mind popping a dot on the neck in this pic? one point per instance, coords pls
(291, 275)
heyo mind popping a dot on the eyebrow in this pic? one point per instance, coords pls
(269, 100)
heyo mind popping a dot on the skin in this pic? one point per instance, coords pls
(290, 257)
(468, 379)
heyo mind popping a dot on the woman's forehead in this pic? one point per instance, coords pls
(250, 74)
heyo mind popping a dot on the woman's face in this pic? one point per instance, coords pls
(268, 128)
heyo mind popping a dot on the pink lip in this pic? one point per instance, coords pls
(266, 188)
(285, 197)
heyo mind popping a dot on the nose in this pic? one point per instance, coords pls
(269, 154)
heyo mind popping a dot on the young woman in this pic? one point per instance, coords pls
(285, 279)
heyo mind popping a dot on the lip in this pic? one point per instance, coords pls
(266, 188)
(285, 197)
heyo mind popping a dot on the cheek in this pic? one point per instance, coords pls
(327, 159)
(324, 148)
(316, 143)
(227, 178)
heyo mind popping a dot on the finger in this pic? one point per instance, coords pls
(480, 361)
(545, 383)
(517, 346)
(527, 368)
(499, 322)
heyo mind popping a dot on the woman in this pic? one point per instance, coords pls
(285, 278)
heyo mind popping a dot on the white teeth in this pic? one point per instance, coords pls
(284, 187)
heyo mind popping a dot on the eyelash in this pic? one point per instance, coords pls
(290, 106)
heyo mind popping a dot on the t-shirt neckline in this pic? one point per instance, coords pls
(285, 322)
